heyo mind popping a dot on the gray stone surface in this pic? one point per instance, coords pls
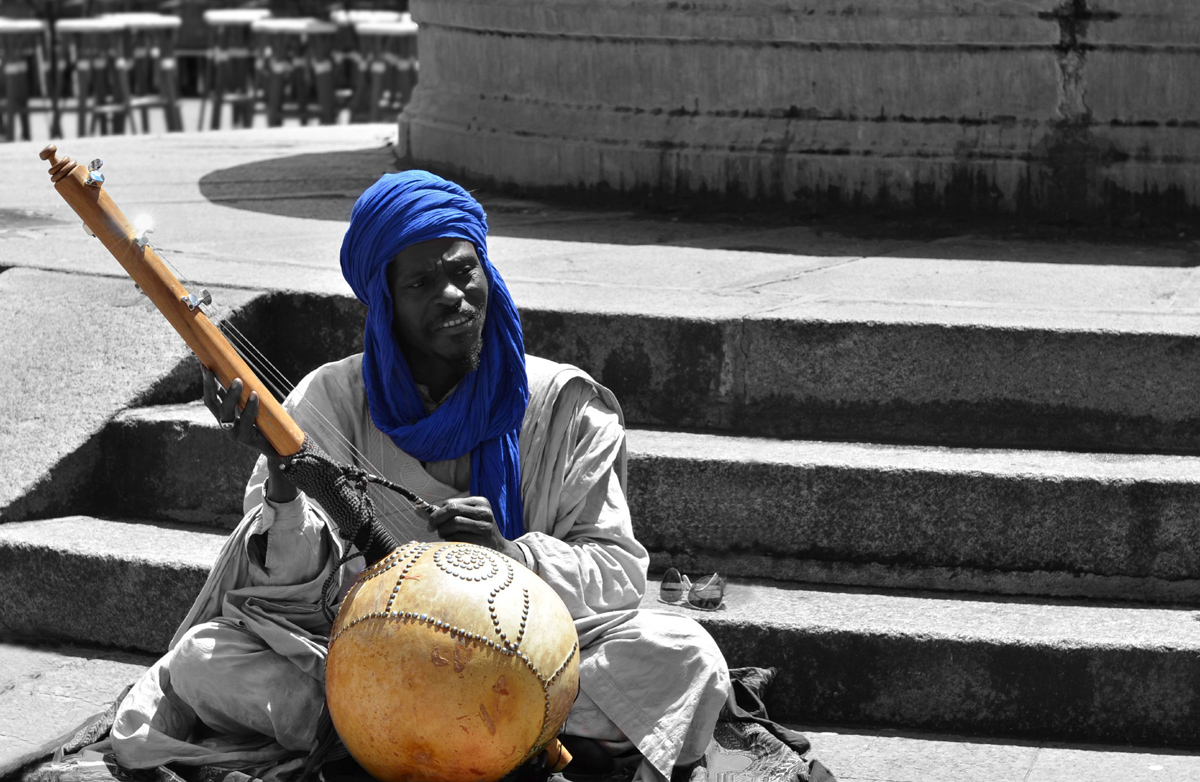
(47, 690)
(1032, 522)
(1011, 106)
(100, 582)
(204, 231)
(915, 757)
(1006, 522)
(997, 666)
(173, 463)
(1062, 764)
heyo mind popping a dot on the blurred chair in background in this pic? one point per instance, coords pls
(233, 70)
(298, 57)
(112, 62)
(389, 50)
(146, 64)
(100, 94)
(22, 47)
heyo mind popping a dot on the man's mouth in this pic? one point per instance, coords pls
(455, 322)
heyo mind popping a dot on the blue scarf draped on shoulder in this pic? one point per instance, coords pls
(483, 415)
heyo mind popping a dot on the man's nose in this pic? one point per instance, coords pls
(450, 292)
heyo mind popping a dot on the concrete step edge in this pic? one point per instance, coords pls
(119, 584)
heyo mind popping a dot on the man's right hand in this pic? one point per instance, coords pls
(241, 428)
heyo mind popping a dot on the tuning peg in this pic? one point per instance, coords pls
(94, 177)
(192, 301)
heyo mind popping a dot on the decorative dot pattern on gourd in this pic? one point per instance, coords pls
(449, 662)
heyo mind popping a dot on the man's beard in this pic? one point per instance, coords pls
(469, 361)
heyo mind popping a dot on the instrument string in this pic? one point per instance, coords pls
(279, 385)
(264, 368)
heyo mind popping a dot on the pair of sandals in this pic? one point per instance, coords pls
(707, 594)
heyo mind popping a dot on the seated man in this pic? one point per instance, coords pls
(519, 454)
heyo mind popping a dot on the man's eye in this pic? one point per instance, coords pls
(416, 284)
(460, 271)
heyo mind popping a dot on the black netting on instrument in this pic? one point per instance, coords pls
(341, 489)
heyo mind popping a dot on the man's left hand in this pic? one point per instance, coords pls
(470, 520)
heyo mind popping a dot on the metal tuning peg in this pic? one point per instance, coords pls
(88, 230)
(94, 177)
(142, 240)
(192, 301)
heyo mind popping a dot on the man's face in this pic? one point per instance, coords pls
(439, 298)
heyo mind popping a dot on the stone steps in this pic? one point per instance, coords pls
(172, 462)
(1076, 671)
(811, 370)
(1009, 522)
(986, 666)
(992, 521)
(799, 375)
(106, 583)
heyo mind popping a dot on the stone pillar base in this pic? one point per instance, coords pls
(1042, 107)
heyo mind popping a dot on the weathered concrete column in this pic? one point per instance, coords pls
(1056, 107)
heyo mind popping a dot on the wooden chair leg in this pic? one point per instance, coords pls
(279, 71)
(217, 87)
(84, 84)
(360, 107)
(168, 83)
(9, 114)
(123, 95)
(379, 68)
(326, 91)
(19, 92)
(246, 78)
(302, 87)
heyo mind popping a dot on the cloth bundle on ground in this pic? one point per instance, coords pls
(746, 747)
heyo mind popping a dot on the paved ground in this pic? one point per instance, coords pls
(46, 690)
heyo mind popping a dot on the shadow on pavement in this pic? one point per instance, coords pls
(324, 186)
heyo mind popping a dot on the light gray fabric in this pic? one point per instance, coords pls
(656, 679)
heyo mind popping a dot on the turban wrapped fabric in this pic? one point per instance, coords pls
(483, 414)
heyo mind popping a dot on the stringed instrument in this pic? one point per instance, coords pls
(83, 189)
(550, 688)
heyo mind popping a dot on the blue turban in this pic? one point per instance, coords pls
(483, 415)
